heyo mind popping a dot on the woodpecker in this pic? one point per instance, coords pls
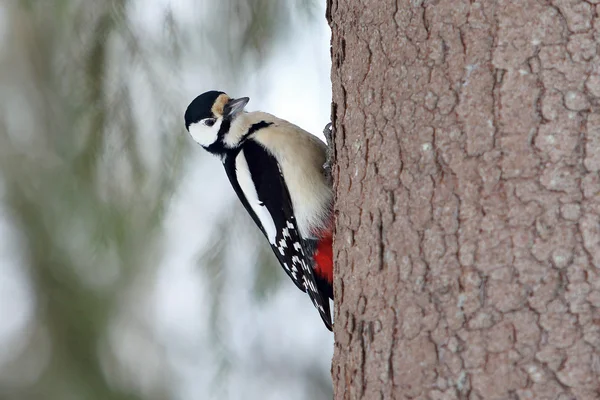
(277, 171)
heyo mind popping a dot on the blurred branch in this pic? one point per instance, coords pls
(73, 229)
(88, 179)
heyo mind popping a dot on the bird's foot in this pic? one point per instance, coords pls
(328, 133)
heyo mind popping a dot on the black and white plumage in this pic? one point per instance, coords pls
(276, 169)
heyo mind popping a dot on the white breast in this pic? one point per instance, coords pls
(301, 157)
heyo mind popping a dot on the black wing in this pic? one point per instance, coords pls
(297, 275)
(287, 244)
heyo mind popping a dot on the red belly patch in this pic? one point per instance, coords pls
(323, 257)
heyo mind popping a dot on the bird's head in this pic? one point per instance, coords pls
(209, 116)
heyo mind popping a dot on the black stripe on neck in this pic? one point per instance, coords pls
(254, 128)
(218, 147)
(223, 129)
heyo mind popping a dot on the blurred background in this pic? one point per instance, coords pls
(128, 269)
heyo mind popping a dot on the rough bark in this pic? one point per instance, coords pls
(467, 247)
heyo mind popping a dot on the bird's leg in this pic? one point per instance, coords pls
(328, 132)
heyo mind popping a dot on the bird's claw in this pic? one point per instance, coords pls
(328, 133)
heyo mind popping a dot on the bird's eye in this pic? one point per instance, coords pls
(209, 121)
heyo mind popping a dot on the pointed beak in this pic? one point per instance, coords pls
(235, 106)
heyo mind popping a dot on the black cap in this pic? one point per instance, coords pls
(201, 107)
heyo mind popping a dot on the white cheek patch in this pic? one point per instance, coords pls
(203, 134)
(245, 180)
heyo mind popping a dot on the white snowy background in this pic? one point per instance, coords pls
(193, 325)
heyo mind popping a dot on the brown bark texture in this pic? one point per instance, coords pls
(467, 142)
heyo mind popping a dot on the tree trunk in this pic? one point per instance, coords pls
(467, 137)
